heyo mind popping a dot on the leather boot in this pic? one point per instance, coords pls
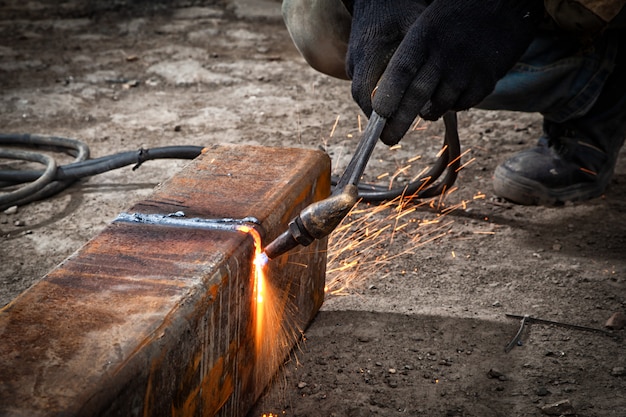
(573, 160)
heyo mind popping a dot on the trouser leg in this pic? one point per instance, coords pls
(320, 29)
(576, 156)
(559, 76)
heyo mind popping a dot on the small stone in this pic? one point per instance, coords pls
(495, 374)
(11, 210)
(130, 84)
(617, 321)
(618, 371)
(302, 385)
(542, 391)
(496, 304)
(19, 223)
(561, 408)
(392, 370)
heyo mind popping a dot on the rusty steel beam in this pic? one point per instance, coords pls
(164, 320)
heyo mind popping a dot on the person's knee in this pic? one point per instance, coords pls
(320, 29)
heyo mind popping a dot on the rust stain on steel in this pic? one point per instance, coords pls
(160, 321)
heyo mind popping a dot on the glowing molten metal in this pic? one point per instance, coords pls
(260, 260)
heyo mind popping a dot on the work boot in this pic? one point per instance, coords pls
(573, 160)
(557, 170)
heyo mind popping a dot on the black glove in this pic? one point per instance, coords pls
(378, 27)
(450, 59)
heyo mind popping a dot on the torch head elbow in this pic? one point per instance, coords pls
(316, 221)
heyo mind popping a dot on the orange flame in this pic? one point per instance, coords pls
(260, 260)
(268, 326)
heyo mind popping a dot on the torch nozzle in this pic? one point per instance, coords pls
(282, 244)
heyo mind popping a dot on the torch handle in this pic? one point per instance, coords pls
(356, 166)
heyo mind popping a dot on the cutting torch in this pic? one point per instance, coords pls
(319, 219)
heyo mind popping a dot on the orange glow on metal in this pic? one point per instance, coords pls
(261, 330)
(259, 263)
(273, 329)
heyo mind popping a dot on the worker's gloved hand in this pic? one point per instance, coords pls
(378, 27)
(450, 58)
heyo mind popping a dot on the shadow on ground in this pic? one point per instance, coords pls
(355, 363)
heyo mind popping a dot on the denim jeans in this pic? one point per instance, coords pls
(558, 76)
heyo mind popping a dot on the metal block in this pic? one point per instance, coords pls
(156, 320)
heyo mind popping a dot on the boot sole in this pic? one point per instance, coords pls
(521, 190)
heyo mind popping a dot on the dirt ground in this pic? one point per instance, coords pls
(417, 326)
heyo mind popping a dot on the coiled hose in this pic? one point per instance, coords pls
(53, 179)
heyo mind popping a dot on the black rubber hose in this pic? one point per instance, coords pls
(73, 147)
(40, 183)
(44, 183)
(95, 166)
